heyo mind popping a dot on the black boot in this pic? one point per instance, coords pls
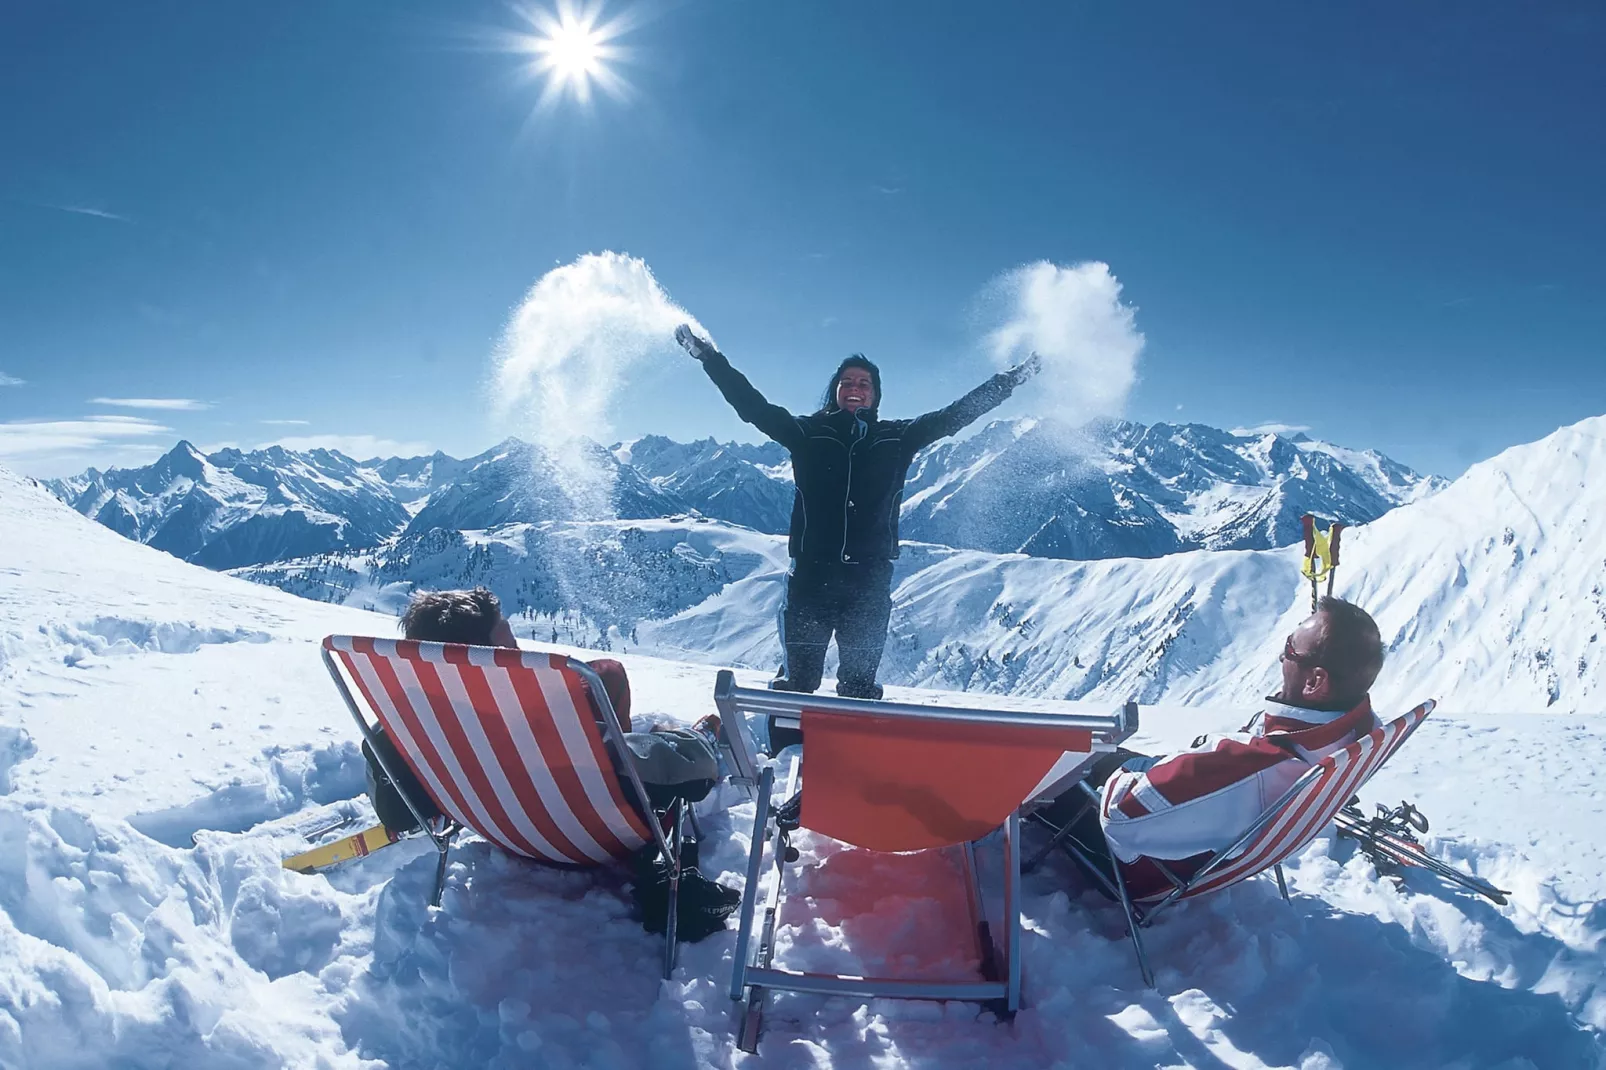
(703, 904)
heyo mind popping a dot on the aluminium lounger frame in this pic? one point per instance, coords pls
(669, 845)
(753, 975)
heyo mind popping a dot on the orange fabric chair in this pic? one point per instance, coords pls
(889, 776)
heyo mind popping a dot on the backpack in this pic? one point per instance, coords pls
(386, 795)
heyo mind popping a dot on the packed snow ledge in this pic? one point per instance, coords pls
(168, 734)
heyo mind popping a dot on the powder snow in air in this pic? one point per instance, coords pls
(568, 351)
(1073, 318)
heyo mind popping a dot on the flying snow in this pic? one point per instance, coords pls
(565, 355)
(1073, 318)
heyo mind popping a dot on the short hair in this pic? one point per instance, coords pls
(452, 617)
(1350, 648)
(857, 360)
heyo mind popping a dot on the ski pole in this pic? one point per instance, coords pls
(1333, 534)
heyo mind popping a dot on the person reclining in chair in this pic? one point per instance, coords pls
(673, 763)
(1180, 809)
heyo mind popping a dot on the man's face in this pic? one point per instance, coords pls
(502, 634)
(1304, 681)
(855, 390)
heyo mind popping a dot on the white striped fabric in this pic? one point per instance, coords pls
(505, 742)
(1337, 777)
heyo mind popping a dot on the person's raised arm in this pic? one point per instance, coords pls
(743, 396)
(924, 430)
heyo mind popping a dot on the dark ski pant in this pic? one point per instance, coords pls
(851, 601)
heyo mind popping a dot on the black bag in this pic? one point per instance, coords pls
(386, 795)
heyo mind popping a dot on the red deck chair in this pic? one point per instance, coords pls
(890, 776)
(506, 743)
(1291, 822)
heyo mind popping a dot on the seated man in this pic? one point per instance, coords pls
(673, 764)
(1182, 808)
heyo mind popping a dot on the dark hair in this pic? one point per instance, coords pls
(858, 360)
(452, 617)
(1350, 648)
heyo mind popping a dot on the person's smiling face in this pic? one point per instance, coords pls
(855, 390)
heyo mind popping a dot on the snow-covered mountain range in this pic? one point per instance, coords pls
(231, 508)
(1489, 593)
(1118, 489)
(1122, 489)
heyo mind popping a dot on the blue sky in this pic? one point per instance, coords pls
(1383, 222)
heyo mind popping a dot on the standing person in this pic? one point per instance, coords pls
(849, 467)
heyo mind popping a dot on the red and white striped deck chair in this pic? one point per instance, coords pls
(890, 776)
(1305, 809)
(506, 743)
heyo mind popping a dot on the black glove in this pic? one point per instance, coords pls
(698, 347)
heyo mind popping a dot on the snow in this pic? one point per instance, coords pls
(168, 734)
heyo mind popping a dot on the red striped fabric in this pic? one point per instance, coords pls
(1330, 784)
(505, 741)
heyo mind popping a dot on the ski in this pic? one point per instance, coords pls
(359, 845)
(1389, 840)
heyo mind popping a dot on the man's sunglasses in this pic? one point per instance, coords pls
(1304, 661)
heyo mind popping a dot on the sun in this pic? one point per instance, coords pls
(574, 51)
(571, 51)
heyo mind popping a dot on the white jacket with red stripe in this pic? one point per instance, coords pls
(1185, 807)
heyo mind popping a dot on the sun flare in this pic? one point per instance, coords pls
(570, 51)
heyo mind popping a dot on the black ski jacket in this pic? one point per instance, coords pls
(849, 469)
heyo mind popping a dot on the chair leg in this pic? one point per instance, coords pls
(755, 862)
(1282, 885)
(753, 1013)
(978, 914)
(1131, 922)
(1012, 952)
(677, 839)
(443, 845)
(1059, 834)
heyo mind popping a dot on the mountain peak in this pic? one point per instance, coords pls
(183, 460)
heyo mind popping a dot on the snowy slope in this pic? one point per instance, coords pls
(118, 659)
(581, 582)
(122, 945)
